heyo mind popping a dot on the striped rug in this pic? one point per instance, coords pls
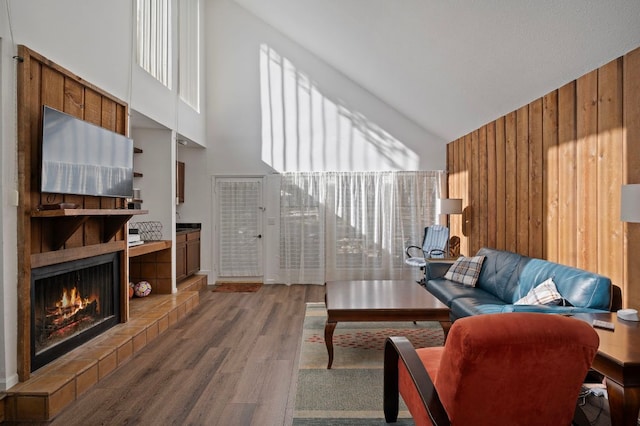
(351, 392)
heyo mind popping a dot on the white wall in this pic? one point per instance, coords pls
(157, 185)
(8, 216)
(234, 41)
(234, 126)
(93, 39)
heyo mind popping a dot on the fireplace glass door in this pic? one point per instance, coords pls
(72, 303)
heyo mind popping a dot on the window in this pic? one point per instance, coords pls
(189, 53)
(352, 225)
(154, 38)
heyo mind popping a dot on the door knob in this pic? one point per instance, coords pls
(258, 236)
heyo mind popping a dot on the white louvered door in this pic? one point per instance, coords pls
(239, 212)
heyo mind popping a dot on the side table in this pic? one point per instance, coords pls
(618, 359)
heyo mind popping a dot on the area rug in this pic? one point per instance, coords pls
(351, 392)
(233, 287)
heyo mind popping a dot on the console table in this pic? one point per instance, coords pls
(618, 359)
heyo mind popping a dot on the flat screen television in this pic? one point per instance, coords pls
(84, 159)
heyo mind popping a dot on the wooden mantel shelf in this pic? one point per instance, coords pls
(69, 220)
(87, 212)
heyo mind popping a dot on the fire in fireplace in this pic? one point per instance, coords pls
(71, 303)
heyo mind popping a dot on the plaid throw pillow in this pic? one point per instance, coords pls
(543, 294)
(465, 270)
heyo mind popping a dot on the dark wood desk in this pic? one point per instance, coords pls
(379, 300)
(618, 359)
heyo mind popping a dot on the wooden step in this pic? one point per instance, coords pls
(197, 282)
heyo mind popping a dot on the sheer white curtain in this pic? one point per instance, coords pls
(353, 225)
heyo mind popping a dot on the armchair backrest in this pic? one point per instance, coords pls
(506, 368)
(435, 241)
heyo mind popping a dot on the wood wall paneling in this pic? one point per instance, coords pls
(474, 231)
(522, 180)
(535, 231)
(549, 179)
(544, 180)
(482, 202)
(587, 170)
(492, 206)
(567, 176)
(631, 164)
(610, 175)
(467, 188)
(501, 194)
(511, 189)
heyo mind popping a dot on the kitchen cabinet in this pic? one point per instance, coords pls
(187, 253)
(193, 252)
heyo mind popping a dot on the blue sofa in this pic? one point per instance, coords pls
(506, 277)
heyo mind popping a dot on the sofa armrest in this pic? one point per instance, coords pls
(616, 298)
(437, 269)
(400, 349)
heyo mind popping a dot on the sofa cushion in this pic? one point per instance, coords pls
(481, 303)
(579, 287)
(499, 274)
(545, 293)
(446, 291)
(465, 270)
(467, 306)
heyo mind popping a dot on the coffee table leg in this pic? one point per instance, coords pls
(328, 340)
(624, 403)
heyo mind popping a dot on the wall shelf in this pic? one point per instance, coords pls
(149, 247)
(67, 221)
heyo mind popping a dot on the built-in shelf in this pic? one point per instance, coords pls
(149, 247)
(137, 151)
(67, 221)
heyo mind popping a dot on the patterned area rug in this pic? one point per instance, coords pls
(237, 287)
(351, 392)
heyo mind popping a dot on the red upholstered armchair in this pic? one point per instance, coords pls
(495, 369)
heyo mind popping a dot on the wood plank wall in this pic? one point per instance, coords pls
(544, 180)
(42, 82)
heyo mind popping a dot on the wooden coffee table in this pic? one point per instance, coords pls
(379, 300)
(618, 359)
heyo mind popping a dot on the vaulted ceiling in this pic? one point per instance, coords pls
(453, 65)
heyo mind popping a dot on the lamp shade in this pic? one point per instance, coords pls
(630, 203)
(449, 205)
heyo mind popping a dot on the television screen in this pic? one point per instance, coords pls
(84, 159)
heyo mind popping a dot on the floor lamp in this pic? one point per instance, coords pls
(449, 206)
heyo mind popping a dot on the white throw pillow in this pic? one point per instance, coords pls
(545, 293)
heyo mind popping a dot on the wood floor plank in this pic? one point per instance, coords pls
(231, 361)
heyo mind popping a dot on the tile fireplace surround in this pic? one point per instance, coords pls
(51, 388)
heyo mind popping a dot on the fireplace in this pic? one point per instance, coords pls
(71, 303)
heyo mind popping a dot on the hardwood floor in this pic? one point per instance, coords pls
(232, 361)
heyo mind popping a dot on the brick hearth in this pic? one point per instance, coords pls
(54, 386)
